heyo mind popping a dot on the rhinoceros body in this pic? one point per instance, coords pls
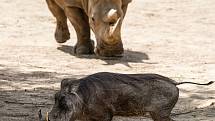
(104, 17)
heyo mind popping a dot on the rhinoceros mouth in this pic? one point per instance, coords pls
(109, 50)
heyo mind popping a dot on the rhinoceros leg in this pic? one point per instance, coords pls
(80, 22)
(62, 31)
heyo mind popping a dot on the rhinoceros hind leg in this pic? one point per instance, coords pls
(80, 22)
(62, 31)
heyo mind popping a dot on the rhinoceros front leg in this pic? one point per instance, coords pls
(80, 22)
(62, 31)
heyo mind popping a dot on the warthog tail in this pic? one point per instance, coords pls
(209, 83)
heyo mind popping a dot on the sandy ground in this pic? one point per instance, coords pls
(175, 38)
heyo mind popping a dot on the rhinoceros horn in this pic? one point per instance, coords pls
(114, 28)
(113, 18)
(112, 14)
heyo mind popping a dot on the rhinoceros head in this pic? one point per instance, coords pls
(105, 18)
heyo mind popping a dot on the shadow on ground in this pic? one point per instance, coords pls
(203, 94)
(22, 105)
(16, 77)
(20, 96)
(129, 56)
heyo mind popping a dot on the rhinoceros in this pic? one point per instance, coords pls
(104, 17)
(100, 96)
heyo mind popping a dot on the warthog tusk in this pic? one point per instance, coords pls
(47, 116)
(40, 115)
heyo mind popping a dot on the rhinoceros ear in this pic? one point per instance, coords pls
(126, 2)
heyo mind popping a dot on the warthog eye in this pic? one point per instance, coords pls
(55, 116)
(63, 102)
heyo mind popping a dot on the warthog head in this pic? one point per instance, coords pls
(105, 18)
(67, 105)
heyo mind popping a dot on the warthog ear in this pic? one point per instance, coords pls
(125, 2)
(67, 83)
(65, 86)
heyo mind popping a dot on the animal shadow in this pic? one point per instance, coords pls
(128, 57)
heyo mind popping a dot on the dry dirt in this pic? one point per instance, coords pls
(175, 38)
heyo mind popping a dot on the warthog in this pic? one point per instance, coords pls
(104, 17)
(101, 96)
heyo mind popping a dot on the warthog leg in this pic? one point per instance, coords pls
(160, 117)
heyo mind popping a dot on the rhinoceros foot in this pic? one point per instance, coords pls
(84, 49)
(62, 33)
(107, 50)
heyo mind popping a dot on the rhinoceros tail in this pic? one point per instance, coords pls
(209, 83)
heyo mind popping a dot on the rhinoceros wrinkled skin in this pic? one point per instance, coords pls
(104, 17)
